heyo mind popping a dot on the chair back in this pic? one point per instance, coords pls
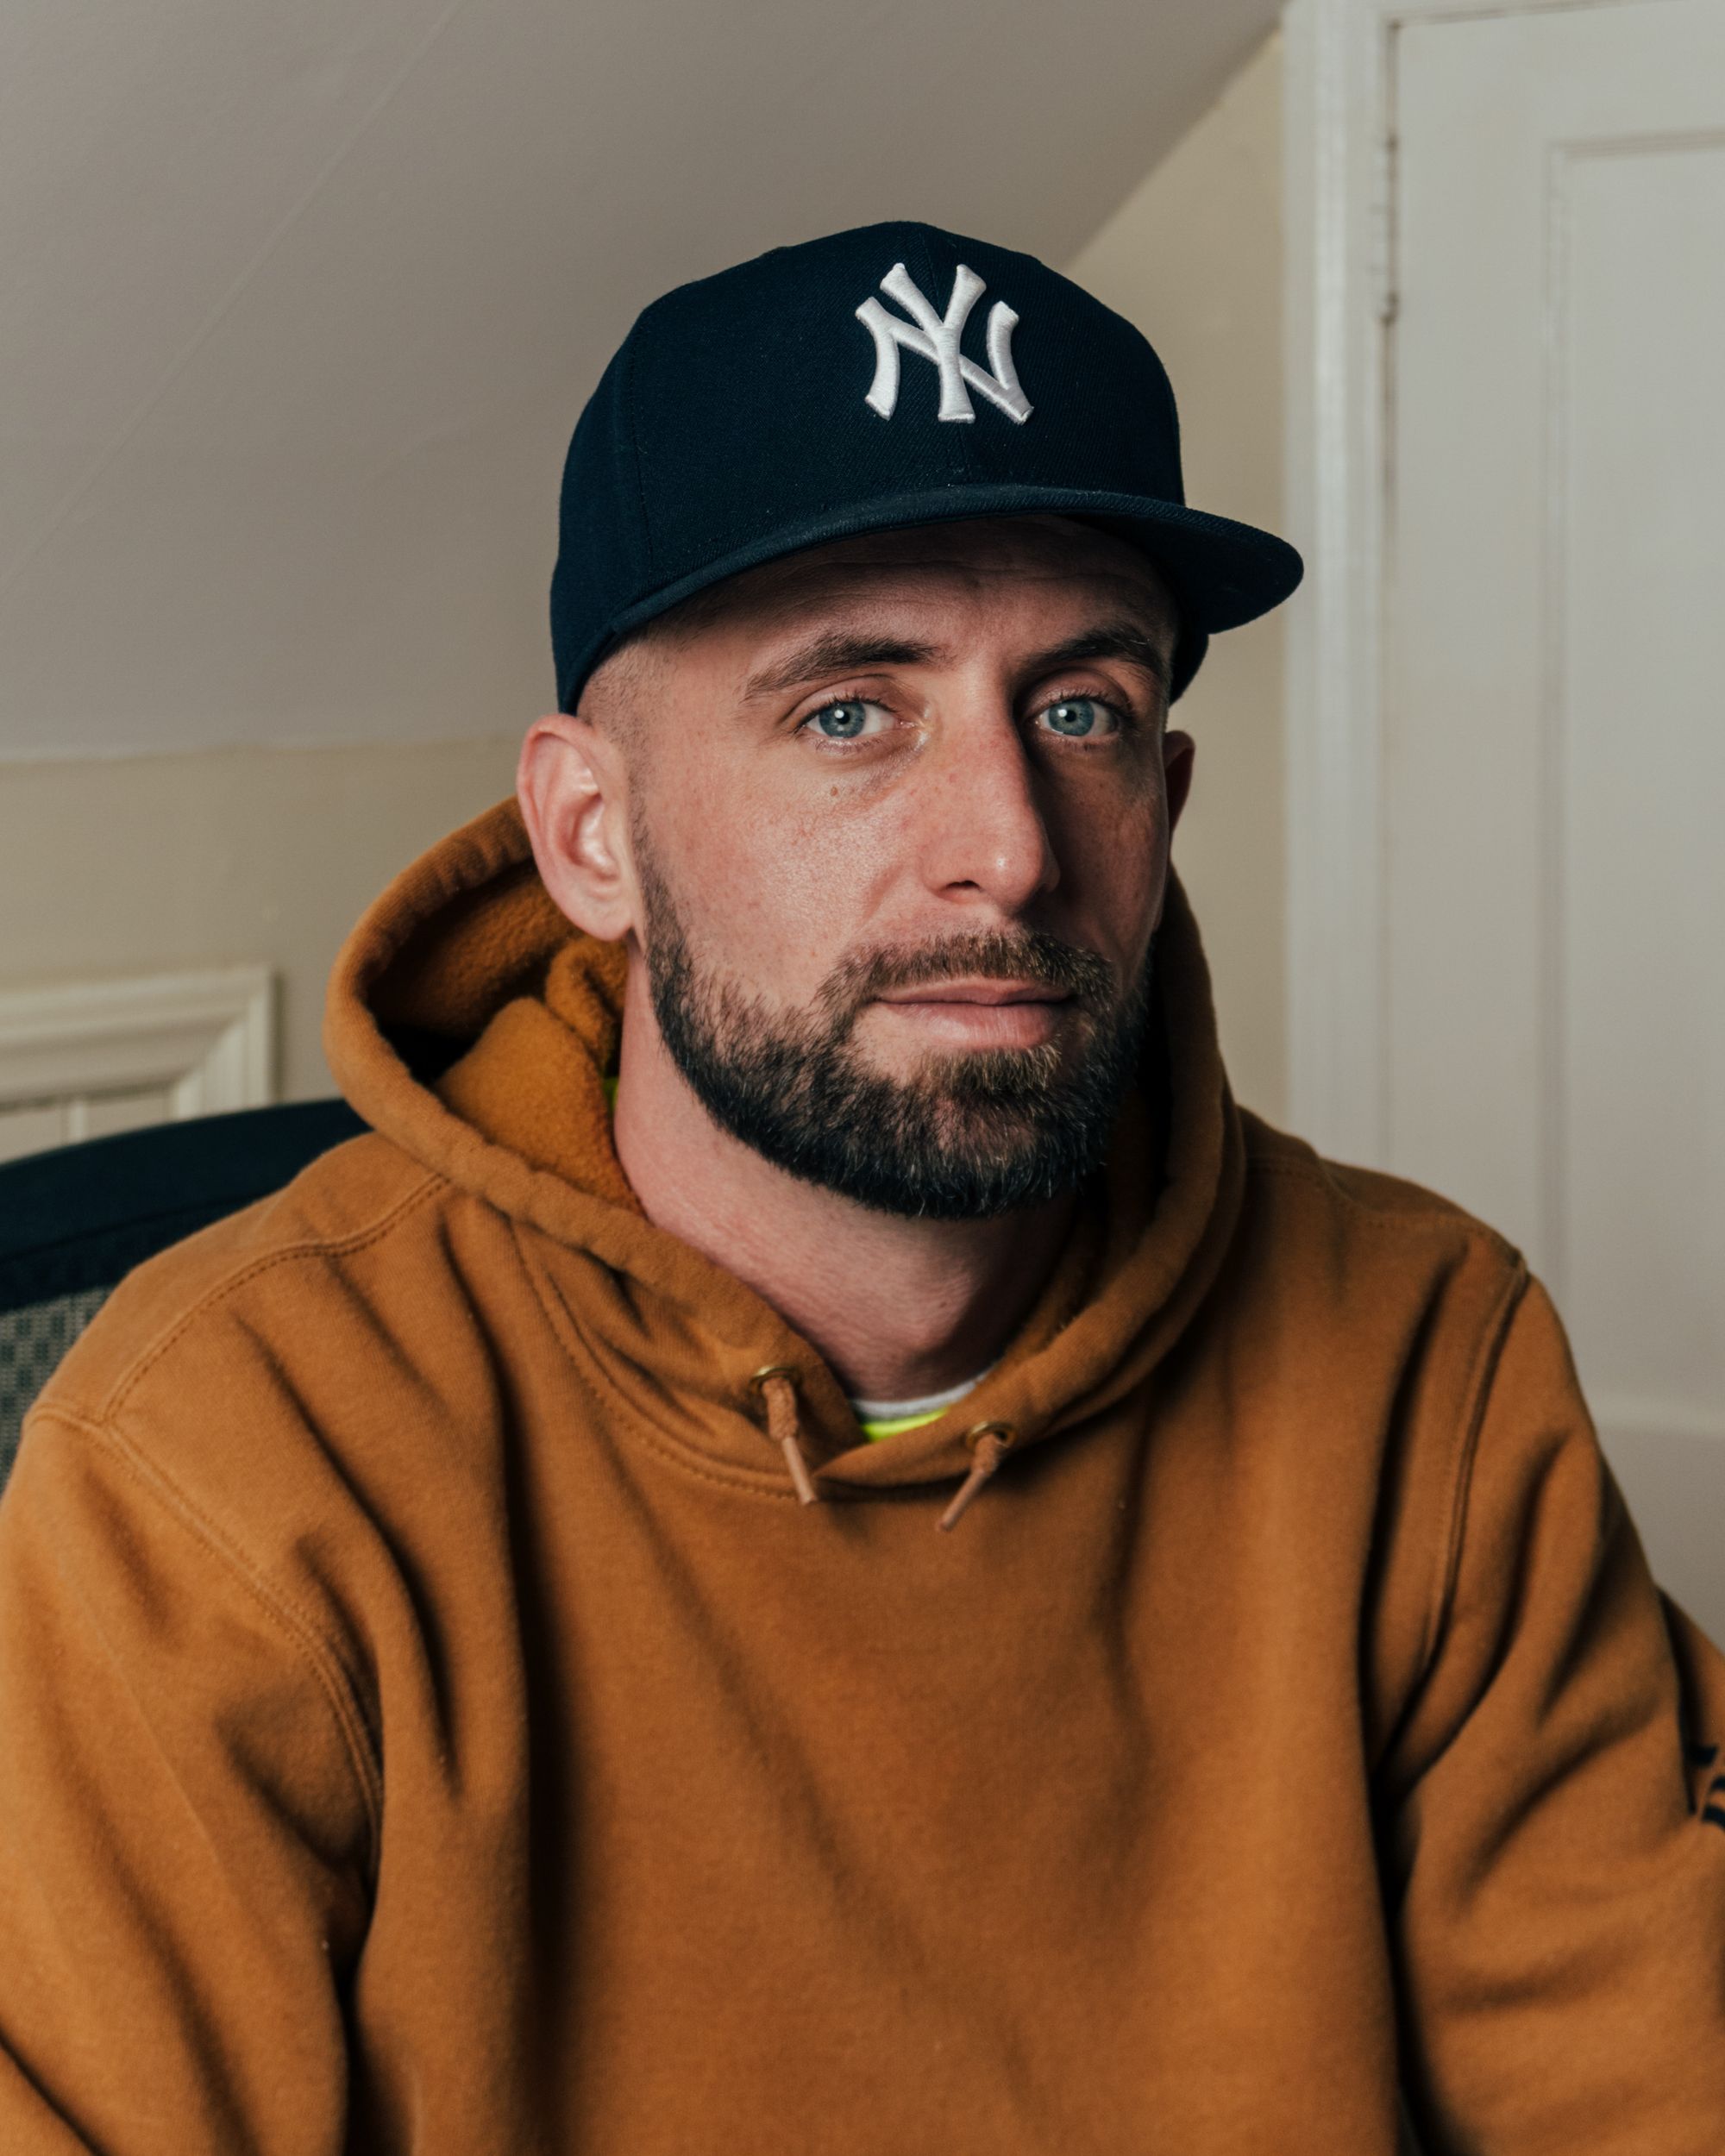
(75, 1220)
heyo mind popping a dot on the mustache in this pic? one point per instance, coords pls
(990, 955)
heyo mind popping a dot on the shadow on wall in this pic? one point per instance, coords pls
(1195, 258)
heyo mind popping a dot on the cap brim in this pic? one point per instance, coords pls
(1222, 574)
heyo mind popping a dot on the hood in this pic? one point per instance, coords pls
(468, 1022)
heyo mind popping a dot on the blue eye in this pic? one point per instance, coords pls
(842, 721)
(1079, 716)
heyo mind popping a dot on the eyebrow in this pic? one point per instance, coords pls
(1122, 639)
(833, 652)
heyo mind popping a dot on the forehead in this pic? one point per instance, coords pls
(1029, 560)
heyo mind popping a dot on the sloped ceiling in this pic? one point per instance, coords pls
(300, 302)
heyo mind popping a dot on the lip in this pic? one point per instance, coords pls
(996, 992)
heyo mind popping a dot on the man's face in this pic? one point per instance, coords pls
(898, 812)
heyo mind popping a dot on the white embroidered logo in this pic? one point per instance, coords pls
(936, 337)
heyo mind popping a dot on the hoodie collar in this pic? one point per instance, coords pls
(468, 1022)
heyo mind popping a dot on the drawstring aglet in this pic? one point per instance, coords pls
(986, 1444)
(777, 1383)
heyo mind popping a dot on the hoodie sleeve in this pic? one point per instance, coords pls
(1558, 1871)
(183, 1830)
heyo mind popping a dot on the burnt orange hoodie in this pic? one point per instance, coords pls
(429, 1722)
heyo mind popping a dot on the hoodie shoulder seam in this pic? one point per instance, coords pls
(309, 1246)
(1433, 1207)
(302, 1632)
(1487, 1355)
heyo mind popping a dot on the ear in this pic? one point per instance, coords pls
(1177, 752)
(571, 785)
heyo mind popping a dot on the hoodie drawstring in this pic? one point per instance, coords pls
(985, 1445)
(777, 1384)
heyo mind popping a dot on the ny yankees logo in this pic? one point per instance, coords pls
(936, 337)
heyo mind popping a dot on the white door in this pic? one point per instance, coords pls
(1551, 765)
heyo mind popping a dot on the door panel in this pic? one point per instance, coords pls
(1554, 743)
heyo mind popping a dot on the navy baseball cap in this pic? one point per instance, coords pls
(889, 376)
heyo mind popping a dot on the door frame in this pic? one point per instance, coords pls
(1340, 301)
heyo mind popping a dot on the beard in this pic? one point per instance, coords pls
(968, 1135)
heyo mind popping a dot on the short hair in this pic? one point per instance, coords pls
(621, 671)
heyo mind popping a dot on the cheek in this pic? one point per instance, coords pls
(1113, 864)
(772, 894)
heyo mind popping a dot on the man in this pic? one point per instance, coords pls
(817, 1544)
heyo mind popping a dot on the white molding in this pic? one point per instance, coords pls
(1338, 181)
(1335, 123)
(207, 1038)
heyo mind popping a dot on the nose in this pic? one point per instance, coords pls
(984, 835)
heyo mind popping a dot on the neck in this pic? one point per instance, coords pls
(897, 1306)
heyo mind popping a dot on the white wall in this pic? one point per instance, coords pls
(115, 866)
